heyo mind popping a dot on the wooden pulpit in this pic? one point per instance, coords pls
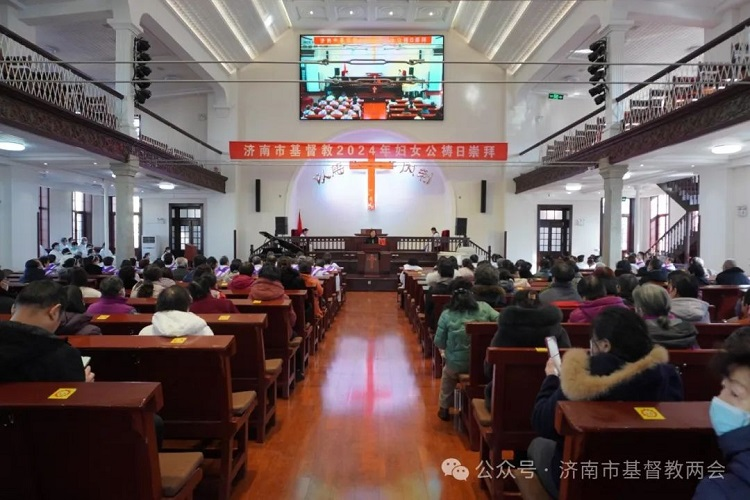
(190, 252)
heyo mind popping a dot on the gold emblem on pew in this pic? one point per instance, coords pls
(178, 340)
(541, 349)
(62, 393)
(103, 316)
(226, 317)
(649, 413)
(257, 301)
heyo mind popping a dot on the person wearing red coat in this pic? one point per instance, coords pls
(203, 300)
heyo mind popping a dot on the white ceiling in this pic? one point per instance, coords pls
(71, 168)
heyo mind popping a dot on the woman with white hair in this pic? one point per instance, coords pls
(652, 303)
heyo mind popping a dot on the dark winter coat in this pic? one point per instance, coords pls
(734, 484)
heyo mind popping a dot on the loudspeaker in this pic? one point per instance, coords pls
(411, 70)
(282, 226)
(438, 51)
(310, 53)
(420, 54)
(257, 195)
(461, 226)
(483, 198)
(336, 72)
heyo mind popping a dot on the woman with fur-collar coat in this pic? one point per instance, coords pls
(624, 365)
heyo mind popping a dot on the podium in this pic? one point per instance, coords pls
(373, 260)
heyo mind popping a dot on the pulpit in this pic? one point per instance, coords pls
(372, 260)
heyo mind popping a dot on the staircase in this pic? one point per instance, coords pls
(682, 240)
(684, 191)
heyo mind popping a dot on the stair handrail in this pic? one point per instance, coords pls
(676, 231)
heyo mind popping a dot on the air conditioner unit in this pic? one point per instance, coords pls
(150, 244)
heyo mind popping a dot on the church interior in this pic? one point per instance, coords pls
(374, 139)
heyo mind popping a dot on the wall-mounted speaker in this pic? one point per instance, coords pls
(282, 226)
(411, 70)
(257, 195)
(420, 54)
(337, 72)
(483, 198)
(461, 223)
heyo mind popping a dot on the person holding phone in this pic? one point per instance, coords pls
(623, 365)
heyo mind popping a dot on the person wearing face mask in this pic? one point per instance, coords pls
(624, 365)
(730, 418)
(29, 349)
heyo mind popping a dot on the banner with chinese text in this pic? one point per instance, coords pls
(482, 151)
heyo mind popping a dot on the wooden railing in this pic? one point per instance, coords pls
(685, 192)
(680, 238)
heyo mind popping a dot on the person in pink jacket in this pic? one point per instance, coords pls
(594, 293)
(268, 287)
(113, 300)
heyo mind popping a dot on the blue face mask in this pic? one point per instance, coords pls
(725, 417)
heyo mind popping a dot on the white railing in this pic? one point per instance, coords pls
(36, 73)
(687, 81)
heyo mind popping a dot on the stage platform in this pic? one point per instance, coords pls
(362, 283)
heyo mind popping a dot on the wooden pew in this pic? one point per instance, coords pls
(278, 337)
(481, 334)
(142, 305)
(301, 327)
(98, 442)
(602, 433)
(712, 335)
(195, 373)
(723, 297)
(699, 382)
(517, 376)
(579, 334)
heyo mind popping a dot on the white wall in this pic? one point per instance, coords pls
(738, 241)
(717, 215)
(187, 112)
(19, 205)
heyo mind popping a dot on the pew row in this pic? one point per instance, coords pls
(53, 432)
(195, 373)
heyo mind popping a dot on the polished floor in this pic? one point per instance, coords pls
(363, 425)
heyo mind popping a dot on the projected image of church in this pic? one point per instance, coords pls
(376, 77)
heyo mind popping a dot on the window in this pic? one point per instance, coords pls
(137, 222)
(553, 229)
(43, 221)
(81, 215)
(659, 215)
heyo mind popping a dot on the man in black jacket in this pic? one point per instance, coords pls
(732, 275)
(29, 349)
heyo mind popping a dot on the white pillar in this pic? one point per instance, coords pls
(717, 216)
(636, 218)
(105, 188)
(612, 237)
(124, 186)
(125, 34)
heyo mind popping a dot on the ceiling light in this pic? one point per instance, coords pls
(390, 13)
(268, 21)
(45, 163)
(573, 186)
(692, 166)
(12, 146)
(167, 186)
(583, 51)
(96, 163)
(627, 176)
(726, 149)
(641, 164)
(312, 12)
(351, 12)
(114, 176)
(432, 13)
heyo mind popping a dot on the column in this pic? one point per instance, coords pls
(124, 186)
(125, 34)
(612, 237)
(636, 217)
(105, 188)
(615, 113)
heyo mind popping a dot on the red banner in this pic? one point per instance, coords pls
(371, 40)
(480, 151)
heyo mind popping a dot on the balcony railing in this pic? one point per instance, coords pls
(687, 81)
(40, 74)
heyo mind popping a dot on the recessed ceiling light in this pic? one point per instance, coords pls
(167, 186)
(432, 13)
(390, 13)
(268, 21)
(312, 12)
(45, 163)
(351, 12)
(627, 176)
(96, 163)
(641, 164)
(573, 186)
(12, 146)
(114, 176)
(726, 149)
(692, 166)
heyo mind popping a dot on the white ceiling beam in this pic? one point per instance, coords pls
(78, 10)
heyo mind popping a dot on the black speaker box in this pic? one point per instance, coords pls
(461, 226)
(483, 198)
(282, 226)
(257, 195)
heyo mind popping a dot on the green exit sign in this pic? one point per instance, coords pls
(557, 97)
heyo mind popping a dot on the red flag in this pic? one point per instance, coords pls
(299, 222)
